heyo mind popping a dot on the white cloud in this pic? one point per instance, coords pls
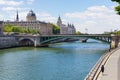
(9, 8)
(43, 16)
(96, 19)
(30, 1)
(1, 17)
(11, 2)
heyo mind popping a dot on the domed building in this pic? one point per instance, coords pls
(31, 16)
(31, 23)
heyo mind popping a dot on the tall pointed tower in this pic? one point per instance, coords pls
(17, 16)
(59, 22)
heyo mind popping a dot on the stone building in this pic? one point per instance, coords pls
(32, 23)
(69, 29)
(31, 16)
(1, 27)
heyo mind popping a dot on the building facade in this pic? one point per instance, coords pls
(32, 23)
(71, 29)
(1, 27)
(66, 29)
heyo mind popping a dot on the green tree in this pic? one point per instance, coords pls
(13, 28)
(118, 32)
(7, 28)
(117, 8)
(116, 1)
(56, 29)
(78, 32)
(16, 29)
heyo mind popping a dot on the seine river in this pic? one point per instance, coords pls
(62, 61)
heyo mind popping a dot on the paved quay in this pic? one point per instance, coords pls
(112, 67)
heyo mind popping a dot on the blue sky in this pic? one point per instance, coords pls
(97, 16)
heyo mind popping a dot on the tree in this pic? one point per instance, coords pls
(78, 32)
(7, 28)
(116, 1)
(118, 32)
(13, 28)
(117, 8)
(56, 29)
(16, 29)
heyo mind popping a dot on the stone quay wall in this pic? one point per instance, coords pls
(7, 42)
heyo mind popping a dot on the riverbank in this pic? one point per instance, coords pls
(110, 61)
(112, 69)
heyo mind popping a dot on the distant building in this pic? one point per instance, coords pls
(1, 27)
(31, 16)
(69, 29)
(32, 23)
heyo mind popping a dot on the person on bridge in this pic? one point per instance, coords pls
(102, 68)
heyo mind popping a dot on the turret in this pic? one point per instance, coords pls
(17, 16)
(59, 22)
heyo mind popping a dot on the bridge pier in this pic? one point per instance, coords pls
(37, 42)
(114, 41)
(84, 40)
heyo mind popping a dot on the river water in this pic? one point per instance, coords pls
(62, 61)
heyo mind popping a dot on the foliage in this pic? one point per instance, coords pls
(78, 32)
(117, 8)
(7, 28)
(118, 32)
(12, 28)
(56, 29)
(116, 1)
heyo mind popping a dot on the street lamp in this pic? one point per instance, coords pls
(86, 31)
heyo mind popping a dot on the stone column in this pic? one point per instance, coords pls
(114, 41)
(37, 41)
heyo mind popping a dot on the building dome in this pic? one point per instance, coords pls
(31, 16)
(31, 13)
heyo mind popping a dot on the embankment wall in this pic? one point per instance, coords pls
(7, 42)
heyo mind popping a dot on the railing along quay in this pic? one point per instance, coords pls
(95, 71)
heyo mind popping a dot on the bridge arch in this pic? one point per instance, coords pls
(26, 42)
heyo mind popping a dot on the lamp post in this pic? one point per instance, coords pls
(86, 31)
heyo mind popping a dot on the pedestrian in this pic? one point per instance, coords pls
(102, 68)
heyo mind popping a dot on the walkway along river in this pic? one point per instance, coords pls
(62, 61)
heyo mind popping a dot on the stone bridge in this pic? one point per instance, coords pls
(44, 40)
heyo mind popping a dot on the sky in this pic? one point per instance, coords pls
(88, 16)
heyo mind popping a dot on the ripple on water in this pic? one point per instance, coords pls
(62, 61)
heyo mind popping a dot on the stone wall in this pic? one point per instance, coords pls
(7, 42)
